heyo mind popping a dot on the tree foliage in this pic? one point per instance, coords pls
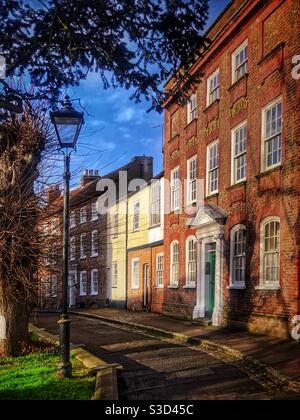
(135, 44)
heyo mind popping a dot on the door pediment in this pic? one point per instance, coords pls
(207, 215)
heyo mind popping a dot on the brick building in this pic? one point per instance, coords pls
(88, 274)
(237, 262)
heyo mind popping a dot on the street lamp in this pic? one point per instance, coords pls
(68, 124)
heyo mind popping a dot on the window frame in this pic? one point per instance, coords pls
(192, 108)
(136, 216)
(155, 204)
(189, 283)
(72, 219)
(190, 181)
(176, 190)
(209, 171)
(242, 284)
(94, 212)
(83, 211)
(264, 139)
(235, 53)
(234, 157)
(72, 255)
(209, 92)
(135, 286)
(94, 292)
(83, 256)
(172, 284)
(93, 253)
(263, 284)
(159, 271)
(81, 291)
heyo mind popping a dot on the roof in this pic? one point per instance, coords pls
(215, 30)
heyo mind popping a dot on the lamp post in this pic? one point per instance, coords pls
(68, 124)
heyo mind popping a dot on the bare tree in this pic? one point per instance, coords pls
(22, 143)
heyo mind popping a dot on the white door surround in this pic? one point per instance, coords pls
(210, 226)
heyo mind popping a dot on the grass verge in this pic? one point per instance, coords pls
(33, 377)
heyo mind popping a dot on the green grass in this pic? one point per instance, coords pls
(34, 377)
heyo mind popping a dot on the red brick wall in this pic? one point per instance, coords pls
(275, 194)
(136, 296)
(155, 295)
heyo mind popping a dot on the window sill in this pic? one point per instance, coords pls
(94, 255)
(175, 137)
(172, 287)
(237, 184)
(269, 171)
(159, 287)
(83, 295)
(269, 287)
(187, 287)
(212, 195)
(214, 103)
(83, 258)
(135, 288)
(155, 226)
(237, 287)
(190, 123)
(94, 294)
(237, 82)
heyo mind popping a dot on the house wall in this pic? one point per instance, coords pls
(272, 30)
(117, 252)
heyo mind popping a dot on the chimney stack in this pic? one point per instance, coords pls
(89, 175)
(53, 193)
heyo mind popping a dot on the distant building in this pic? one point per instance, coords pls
(88, 270)
(145, 247)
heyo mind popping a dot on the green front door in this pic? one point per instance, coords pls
(212, 281)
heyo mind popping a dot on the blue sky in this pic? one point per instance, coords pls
(117, 128)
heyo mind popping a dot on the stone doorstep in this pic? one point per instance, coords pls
(106, 387)
(268, 375)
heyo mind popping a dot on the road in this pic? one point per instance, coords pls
(155, 369)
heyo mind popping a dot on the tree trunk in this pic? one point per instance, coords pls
(21, 143)
(14, 318)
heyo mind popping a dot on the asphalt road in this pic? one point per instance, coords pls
(154, 369)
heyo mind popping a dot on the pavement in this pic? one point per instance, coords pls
(282, 355)
(156, 369)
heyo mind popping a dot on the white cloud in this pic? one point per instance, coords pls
(125, 115)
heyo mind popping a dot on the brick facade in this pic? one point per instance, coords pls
(136, 296)
(84, 197)
(272, 30)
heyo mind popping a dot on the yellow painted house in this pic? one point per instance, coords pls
(117, 254)
(134, 233)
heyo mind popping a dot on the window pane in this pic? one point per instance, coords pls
(271, 257)
(239, 256)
